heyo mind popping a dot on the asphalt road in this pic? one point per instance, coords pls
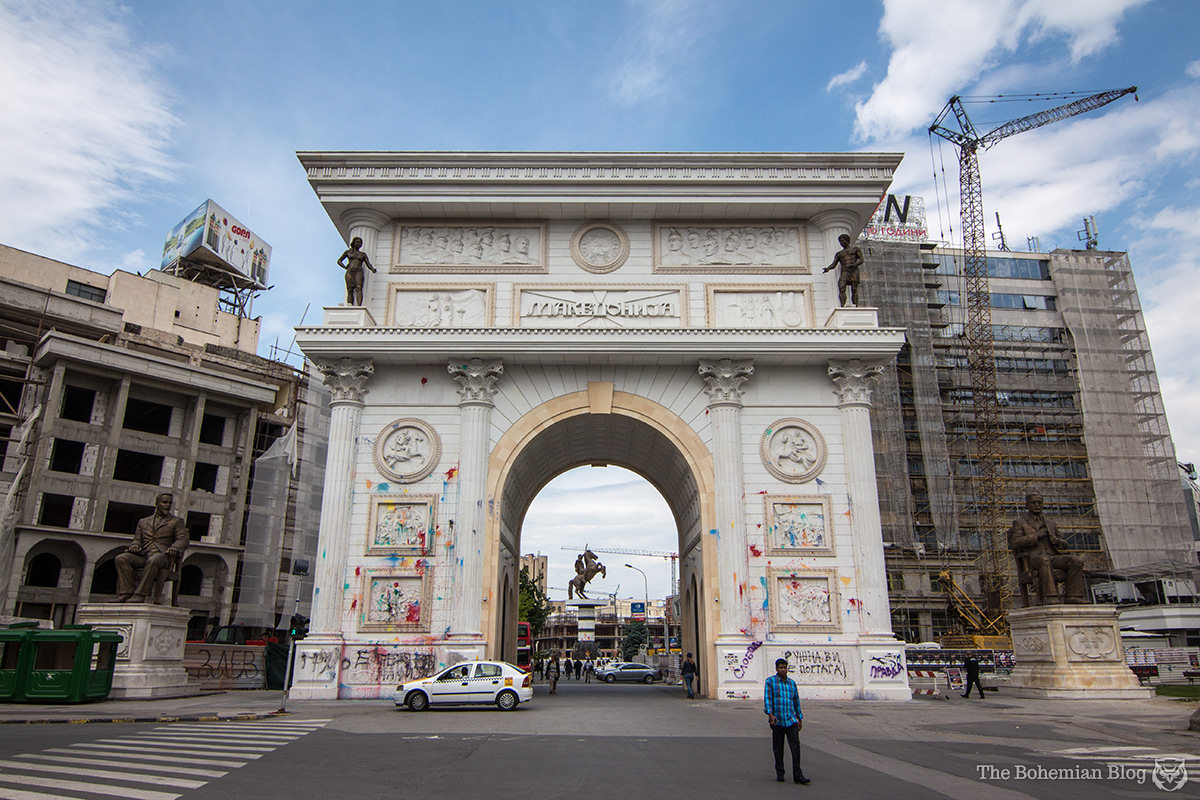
(604, 742)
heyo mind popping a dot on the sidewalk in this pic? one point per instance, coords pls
(249, 704)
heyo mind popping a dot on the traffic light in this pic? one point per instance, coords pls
(299, 626)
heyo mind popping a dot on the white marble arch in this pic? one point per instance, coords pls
(514, 401)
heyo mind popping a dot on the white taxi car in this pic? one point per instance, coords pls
(469, 682)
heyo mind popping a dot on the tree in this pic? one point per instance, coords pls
(532, 605)
(634, 638)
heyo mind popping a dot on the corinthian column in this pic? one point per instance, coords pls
(852, 380)
(347, 381)
(723, 384)
(476, 389)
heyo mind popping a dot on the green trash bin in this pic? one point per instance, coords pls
(71, 665)
(15, 652)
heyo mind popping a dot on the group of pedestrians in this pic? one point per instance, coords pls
(552, 670)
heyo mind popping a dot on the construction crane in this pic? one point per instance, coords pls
(979, 338)
(652, 553)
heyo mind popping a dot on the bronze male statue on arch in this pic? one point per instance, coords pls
(587, 566)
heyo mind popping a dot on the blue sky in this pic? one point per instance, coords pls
(117, 119)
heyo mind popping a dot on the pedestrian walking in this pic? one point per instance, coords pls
(688, 671)
(552, 673)
(589, 669)
(971, 665)
(781, 704)
(578, 668)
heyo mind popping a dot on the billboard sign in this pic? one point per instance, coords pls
(211, 235)
(898, 219)
(637, 610)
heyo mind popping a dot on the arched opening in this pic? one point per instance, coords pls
(191, 580)
(635, 434)
(104, 578)
(44, 569)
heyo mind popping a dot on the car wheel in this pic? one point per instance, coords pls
(648, 679)
(418, 701)
(507, 701)
(610, 678)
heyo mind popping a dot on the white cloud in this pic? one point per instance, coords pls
(1193, 69)
(662, 34)
(848, 77)
(939, 49)
(84, 122)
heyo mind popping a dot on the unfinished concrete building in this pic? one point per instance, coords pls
(1081, 420)
(115, 389)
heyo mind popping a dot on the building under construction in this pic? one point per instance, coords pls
(1081, 422)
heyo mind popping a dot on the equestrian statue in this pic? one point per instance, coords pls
(586, 568)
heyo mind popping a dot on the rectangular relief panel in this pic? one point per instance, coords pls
(804, 600)
(760, 305)
(400, 525)
(394, 600)
(440, 305)
(738, 248)
(469, 247)
(613, 306)
(798, 525)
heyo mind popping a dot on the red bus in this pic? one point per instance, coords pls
(524, 646)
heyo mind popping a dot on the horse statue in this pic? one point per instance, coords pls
(586, 568)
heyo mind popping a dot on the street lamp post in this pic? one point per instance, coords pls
(646, 582)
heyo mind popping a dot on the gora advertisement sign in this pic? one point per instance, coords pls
(898, 219)
(213, 236)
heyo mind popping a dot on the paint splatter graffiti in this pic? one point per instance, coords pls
(385, 666)
(885, 666)
(741, 666)
(817, 665)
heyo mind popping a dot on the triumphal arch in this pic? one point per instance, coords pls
(663, 312)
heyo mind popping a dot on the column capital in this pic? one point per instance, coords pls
(853, 380)
(837, 220)
(363, 217)
(724, 380)
(476, 379)
(347, 378)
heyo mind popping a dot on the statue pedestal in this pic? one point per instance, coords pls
(851, 317)
(1071, 652)
(585, 613)
(347, 316)
(150, 656)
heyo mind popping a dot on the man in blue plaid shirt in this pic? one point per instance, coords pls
(781, 704)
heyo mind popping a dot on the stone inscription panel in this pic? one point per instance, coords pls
(621, 307)
(470, 247)
(745, 247)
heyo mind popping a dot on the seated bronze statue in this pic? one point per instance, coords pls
(158, 545)
(1041, 558)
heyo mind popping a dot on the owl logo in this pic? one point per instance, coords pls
(1169, 773)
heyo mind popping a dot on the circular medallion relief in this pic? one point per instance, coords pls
(793, 450)
(599, 246)
(407, 450)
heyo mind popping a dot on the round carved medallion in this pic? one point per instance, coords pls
(793, 450)
(407, 450)
(599, 246)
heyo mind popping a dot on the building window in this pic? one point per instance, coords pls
(212, 429)
(44, 570)
(77, 404)
(5, 436)
(895, 581)
(104, 579)
(191, 580)
(198, 524)
(138, 467)
(148, 417)
(10, 395)
(93, 293)
(204, 477)
(66, 456)
(123, 517)
(56, 510)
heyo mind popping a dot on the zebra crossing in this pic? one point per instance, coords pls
(156, 764)
(1130, 756)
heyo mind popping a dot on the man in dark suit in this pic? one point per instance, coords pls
(158, 543)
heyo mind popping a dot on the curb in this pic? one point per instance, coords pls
(163, 718)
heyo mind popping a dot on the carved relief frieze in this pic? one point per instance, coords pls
(804, 600)
(760, 306)
(793, 450)
(746, 247)
(798, 525)
(395, 599)
(401, 524)
(469, 247)
(407, 450)
(440, 305)
(613, 306)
